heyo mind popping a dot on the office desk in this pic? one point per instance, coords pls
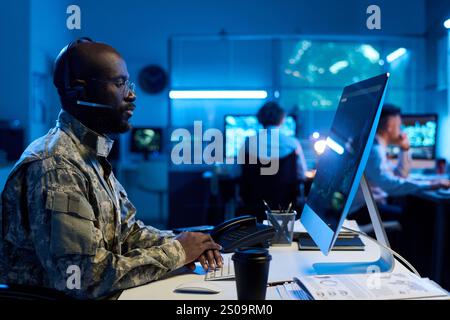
(286, 263)
(439, 249)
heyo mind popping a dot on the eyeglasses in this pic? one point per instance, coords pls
(126, 85)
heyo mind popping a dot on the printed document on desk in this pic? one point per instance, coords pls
(371, 286)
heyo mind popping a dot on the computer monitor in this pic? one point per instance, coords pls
(341, 166)
(239, 127)
(146, 140)
(421, 130)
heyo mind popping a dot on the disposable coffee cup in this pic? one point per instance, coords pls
(251, 267)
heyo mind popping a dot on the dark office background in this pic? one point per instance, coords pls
(222, 44)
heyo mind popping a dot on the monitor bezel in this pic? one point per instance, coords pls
(321, 233)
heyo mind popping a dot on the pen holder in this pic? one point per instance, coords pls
(283, 222)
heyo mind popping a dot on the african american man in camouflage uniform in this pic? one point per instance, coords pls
(62, 206)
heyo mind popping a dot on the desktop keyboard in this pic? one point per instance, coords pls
(285, 291)
(224, 273)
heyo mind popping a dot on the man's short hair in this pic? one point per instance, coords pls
(270, 114)
(389, 110)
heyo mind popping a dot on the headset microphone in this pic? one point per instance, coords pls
(93, 105)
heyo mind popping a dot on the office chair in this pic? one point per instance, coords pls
(153, 178)
(391, 221)
(278, 190)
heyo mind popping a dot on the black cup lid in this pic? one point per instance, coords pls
(253, 254)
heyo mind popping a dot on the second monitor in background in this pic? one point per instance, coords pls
(239, 127)
(147, 141)
(421, 130)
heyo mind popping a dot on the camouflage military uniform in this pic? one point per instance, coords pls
(62, 207)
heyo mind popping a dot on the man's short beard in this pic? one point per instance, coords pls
(114, 122)
(123, 127)
(101, 120)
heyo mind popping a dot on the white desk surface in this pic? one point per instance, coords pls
(286, 263)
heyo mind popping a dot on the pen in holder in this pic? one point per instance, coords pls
(283, 222)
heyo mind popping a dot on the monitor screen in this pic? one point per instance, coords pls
(239, 127)
(340, 167)
(422, 132)
(146, 140)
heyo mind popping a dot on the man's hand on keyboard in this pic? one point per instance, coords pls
(205, 262)
(226, 271)
(210, 259)
(200, 247)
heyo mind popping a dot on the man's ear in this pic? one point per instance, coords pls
(78, 83)
(80, 87)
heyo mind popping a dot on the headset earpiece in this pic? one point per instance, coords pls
(75, 93)
(70, 92)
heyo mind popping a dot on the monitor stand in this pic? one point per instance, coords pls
(386, 261)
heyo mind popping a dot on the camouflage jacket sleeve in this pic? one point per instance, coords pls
(135, 233)
(69, 243)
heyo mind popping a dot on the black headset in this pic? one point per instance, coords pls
(62, 74)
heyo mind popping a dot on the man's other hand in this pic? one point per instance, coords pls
(438, 184)
(445, 183)
(403, 142)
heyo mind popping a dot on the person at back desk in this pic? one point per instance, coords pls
(271, 116)
(385, 179)
(280, 188)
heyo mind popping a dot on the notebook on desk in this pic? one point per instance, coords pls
(346, 241)
(343, 243)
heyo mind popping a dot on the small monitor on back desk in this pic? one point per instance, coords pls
(146, 141)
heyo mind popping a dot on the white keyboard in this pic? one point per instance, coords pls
(224, 273)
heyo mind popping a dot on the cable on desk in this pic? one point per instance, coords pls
(397, 255)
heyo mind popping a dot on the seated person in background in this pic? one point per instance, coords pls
(271, 116)
(277, 189)
(385, 179)
(66, 223)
